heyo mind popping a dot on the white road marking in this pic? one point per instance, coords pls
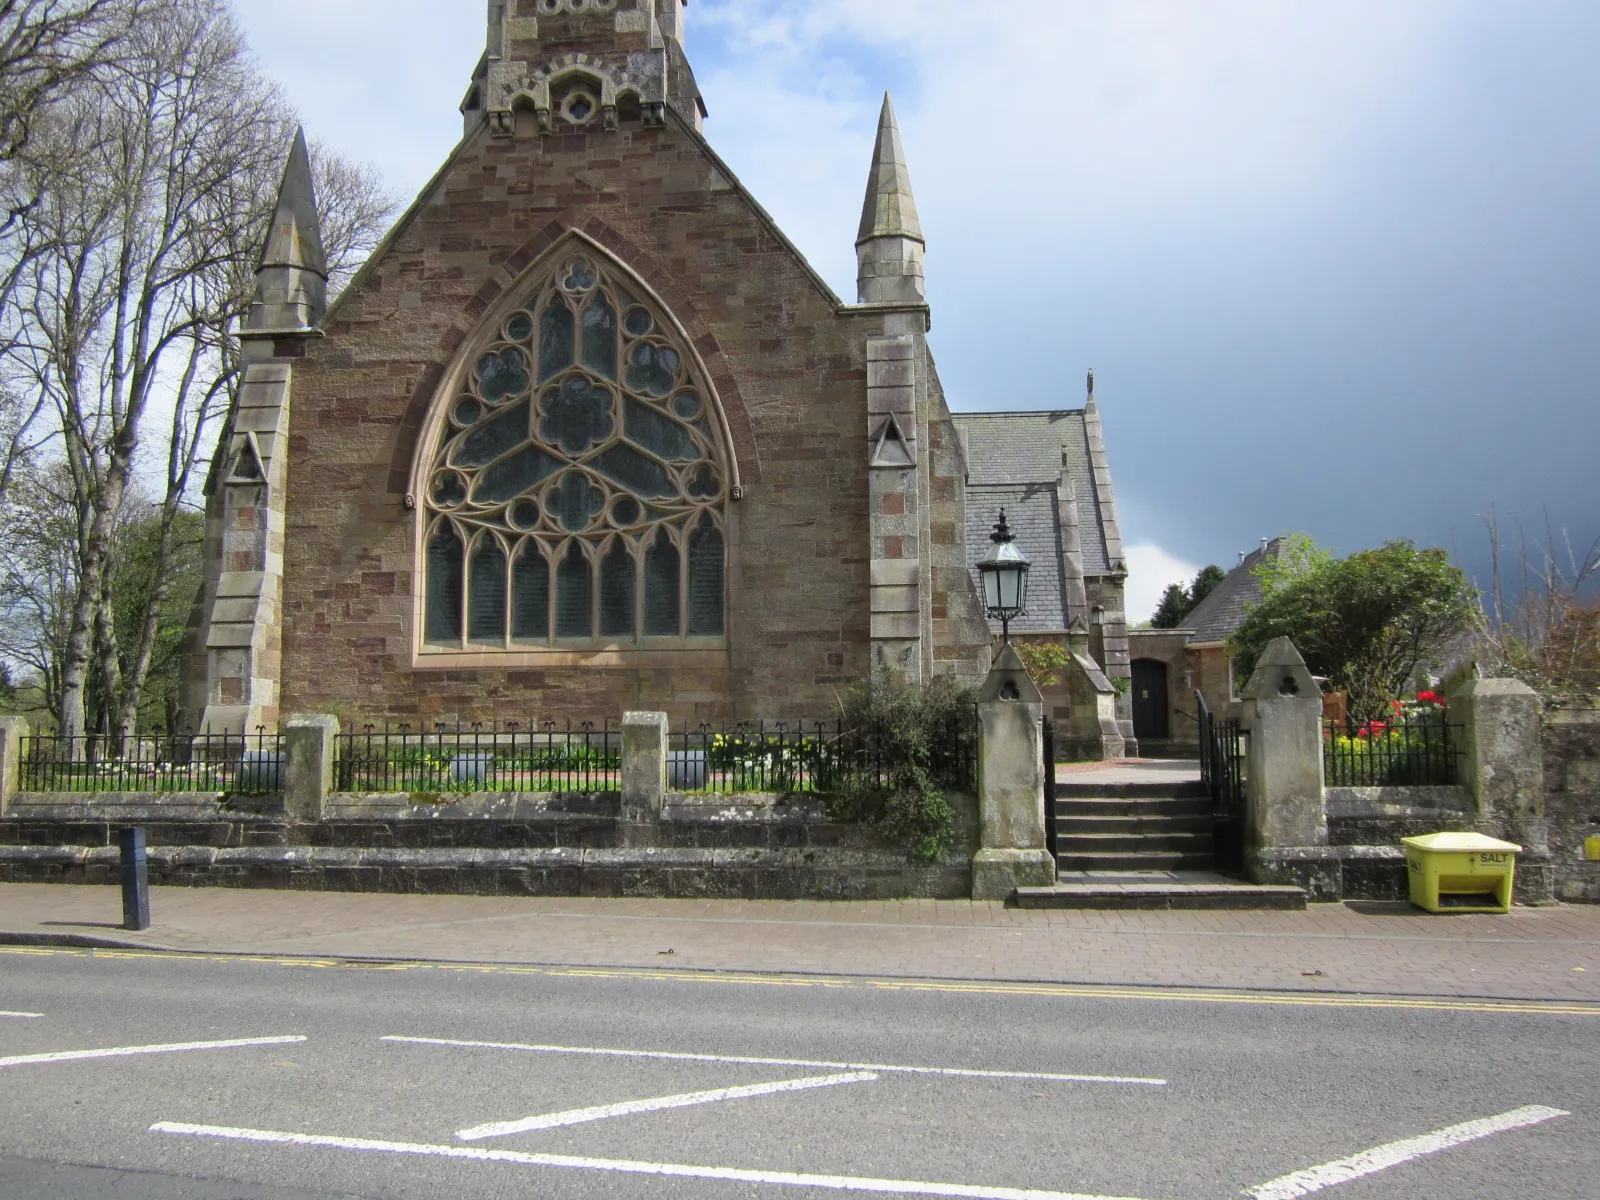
(577, 1116)
(778, 1062)
(1368, 1162)
(18, 1060)
(20, 1014)
(838, 1183)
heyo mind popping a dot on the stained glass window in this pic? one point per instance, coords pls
(577, 491)
(705, 579)
(661, 573)
(574, 595)
(486, 617)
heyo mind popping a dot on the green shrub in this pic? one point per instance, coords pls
(904, 745)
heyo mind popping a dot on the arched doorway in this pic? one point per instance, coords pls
(1150, 699)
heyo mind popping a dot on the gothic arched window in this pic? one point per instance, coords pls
(577, 494)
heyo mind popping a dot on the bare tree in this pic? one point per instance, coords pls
(1548, 632)
(155, 184)
(48, 46)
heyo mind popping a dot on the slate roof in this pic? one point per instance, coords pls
(1014, 448)
(1017, 460)
(1220, 613)
(1032, 514)
(1019, 447)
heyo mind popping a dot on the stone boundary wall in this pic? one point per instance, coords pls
(743, 846)
(1571, 744)
(1365, 825)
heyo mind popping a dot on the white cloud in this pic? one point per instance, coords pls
(1150, 570)
(378, 80)
(1246, 214)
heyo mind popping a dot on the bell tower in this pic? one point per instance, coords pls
(567, 65)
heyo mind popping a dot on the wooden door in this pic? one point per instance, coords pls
(1150, 699)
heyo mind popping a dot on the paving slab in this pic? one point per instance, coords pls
(1131, 770)
(1545, 953)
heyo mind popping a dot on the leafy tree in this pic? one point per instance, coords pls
(1366, 622)
(1043, 660)
(1177, 602)
(156, 584)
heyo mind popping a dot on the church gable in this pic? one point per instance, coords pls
(588, 434)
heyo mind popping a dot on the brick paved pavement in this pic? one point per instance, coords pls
(1532, 953)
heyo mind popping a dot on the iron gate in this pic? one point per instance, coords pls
(1222, 771)
(1050, 787)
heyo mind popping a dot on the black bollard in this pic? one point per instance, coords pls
(135, 880)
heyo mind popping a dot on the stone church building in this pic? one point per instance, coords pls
(588, 433)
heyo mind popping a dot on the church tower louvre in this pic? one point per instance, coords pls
(548, 59)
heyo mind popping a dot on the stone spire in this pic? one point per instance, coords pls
(292, 279)
(889, 246)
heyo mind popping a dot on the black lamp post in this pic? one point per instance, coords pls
(1004, 571)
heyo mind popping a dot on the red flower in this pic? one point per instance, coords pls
(1429, 697)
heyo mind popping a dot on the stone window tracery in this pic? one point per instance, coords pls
(552, 8)
(577, 495)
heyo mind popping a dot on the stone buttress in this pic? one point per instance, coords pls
(906, 414)
(1108, 591)
(239, 622)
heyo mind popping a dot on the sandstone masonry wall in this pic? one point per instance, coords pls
(789, 366)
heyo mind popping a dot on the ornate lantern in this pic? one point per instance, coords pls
(1004, 571)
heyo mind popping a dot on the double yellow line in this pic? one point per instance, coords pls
(1085, 991)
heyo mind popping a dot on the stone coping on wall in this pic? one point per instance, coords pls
(750, 873)
(167, 809)
(1400, 802)
(750, 845)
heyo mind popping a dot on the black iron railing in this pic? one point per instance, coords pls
(1410, 750)
(249, 764)
(1222, 765)
(498, 757)
(814, 756)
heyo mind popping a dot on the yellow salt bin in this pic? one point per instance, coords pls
(1460, 872)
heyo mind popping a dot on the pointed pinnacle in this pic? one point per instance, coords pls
(890, 209)
(295, 239)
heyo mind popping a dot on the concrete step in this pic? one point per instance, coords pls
(1072, 859)
(1121, 806)
(1073, 823)
(1166, 840)
(1089, 789)
(1158, 890)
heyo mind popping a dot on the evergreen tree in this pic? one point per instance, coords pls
(1174, 607)
(1204, 584)
(1177, 602)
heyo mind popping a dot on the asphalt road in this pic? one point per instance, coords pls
(1109, 1093)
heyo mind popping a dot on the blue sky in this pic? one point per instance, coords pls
(1336, 264)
